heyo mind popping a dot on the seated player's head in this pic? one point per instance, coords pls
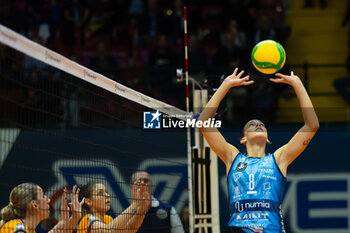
(96, 196)
(26, 200)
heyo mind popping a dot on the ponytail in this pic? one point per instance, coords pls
(86, 191)
(20, 196)
(6, 214)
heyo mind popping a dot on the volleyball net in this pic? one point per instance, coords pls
(63, 124)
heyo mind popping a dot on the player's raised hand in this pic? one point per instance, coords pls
(287, 79)
(145, 196)
(75, 205)
(64, 207)
(140, 193)
(235, 79)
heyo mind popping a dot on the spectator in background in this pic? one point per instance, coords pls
(232, 45)
(55, 14)
(264, 30)
(160, 217)
(75, 17)
(153, 22)
(101, 15)
(177, 21)
(243, 11)
(197, 58)
(275, 10)
(162, 67)
(104, 63)
(239, 38)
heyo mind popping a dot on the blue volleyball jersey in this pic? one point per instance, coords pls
(255, 187)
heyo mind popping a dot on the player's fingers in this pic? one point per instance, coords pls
(235, 71)
(82, 201)
(291, 73)
(276, 80)
(240, 74)
(281, 75)
(248, 82)
(245, 78)
(64, 194)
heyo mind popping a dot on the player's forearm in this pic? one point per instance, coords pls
(213, 104)
(121, 223)
(136, 220)
(308, 111)
(73, 221)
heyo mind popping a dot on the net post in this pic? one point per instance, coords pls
(206, 180)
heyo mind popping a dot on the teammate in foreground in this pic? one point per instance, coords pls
(256, 179)
(28, 206)
(97, 203)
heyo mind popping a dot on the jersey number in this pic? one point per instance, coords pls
(251, 182)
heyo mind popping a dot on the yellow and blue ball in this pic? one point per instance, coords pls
(268, 56)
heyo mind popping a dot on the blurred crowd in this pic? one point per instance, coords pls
(140, 43)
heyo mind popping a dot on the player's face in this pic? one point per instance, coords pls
(100, 199)
(42, 204)
(146, 178)
(143, 176)
(255, 129)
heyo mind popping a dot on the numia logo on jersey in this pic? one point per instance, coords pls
(249, 205)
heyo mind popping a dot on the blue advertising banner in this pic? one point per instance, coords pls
(316, 198)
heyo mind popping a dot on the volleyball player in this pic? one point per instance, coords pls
(97, 203)
(256, 179)
(29, 205)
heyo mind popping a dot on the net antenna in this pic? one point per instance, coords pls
(202, 163)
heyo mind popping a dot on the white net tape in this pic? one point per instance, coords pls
(37, 51)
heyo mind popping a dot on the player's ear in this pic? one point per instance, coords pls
(268, 141)
(243, 140)
(32, 204)
(87, 201)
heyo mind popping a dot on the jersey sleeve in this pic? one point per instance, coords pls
(13, 226)
(107, 219)
(86, 222)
